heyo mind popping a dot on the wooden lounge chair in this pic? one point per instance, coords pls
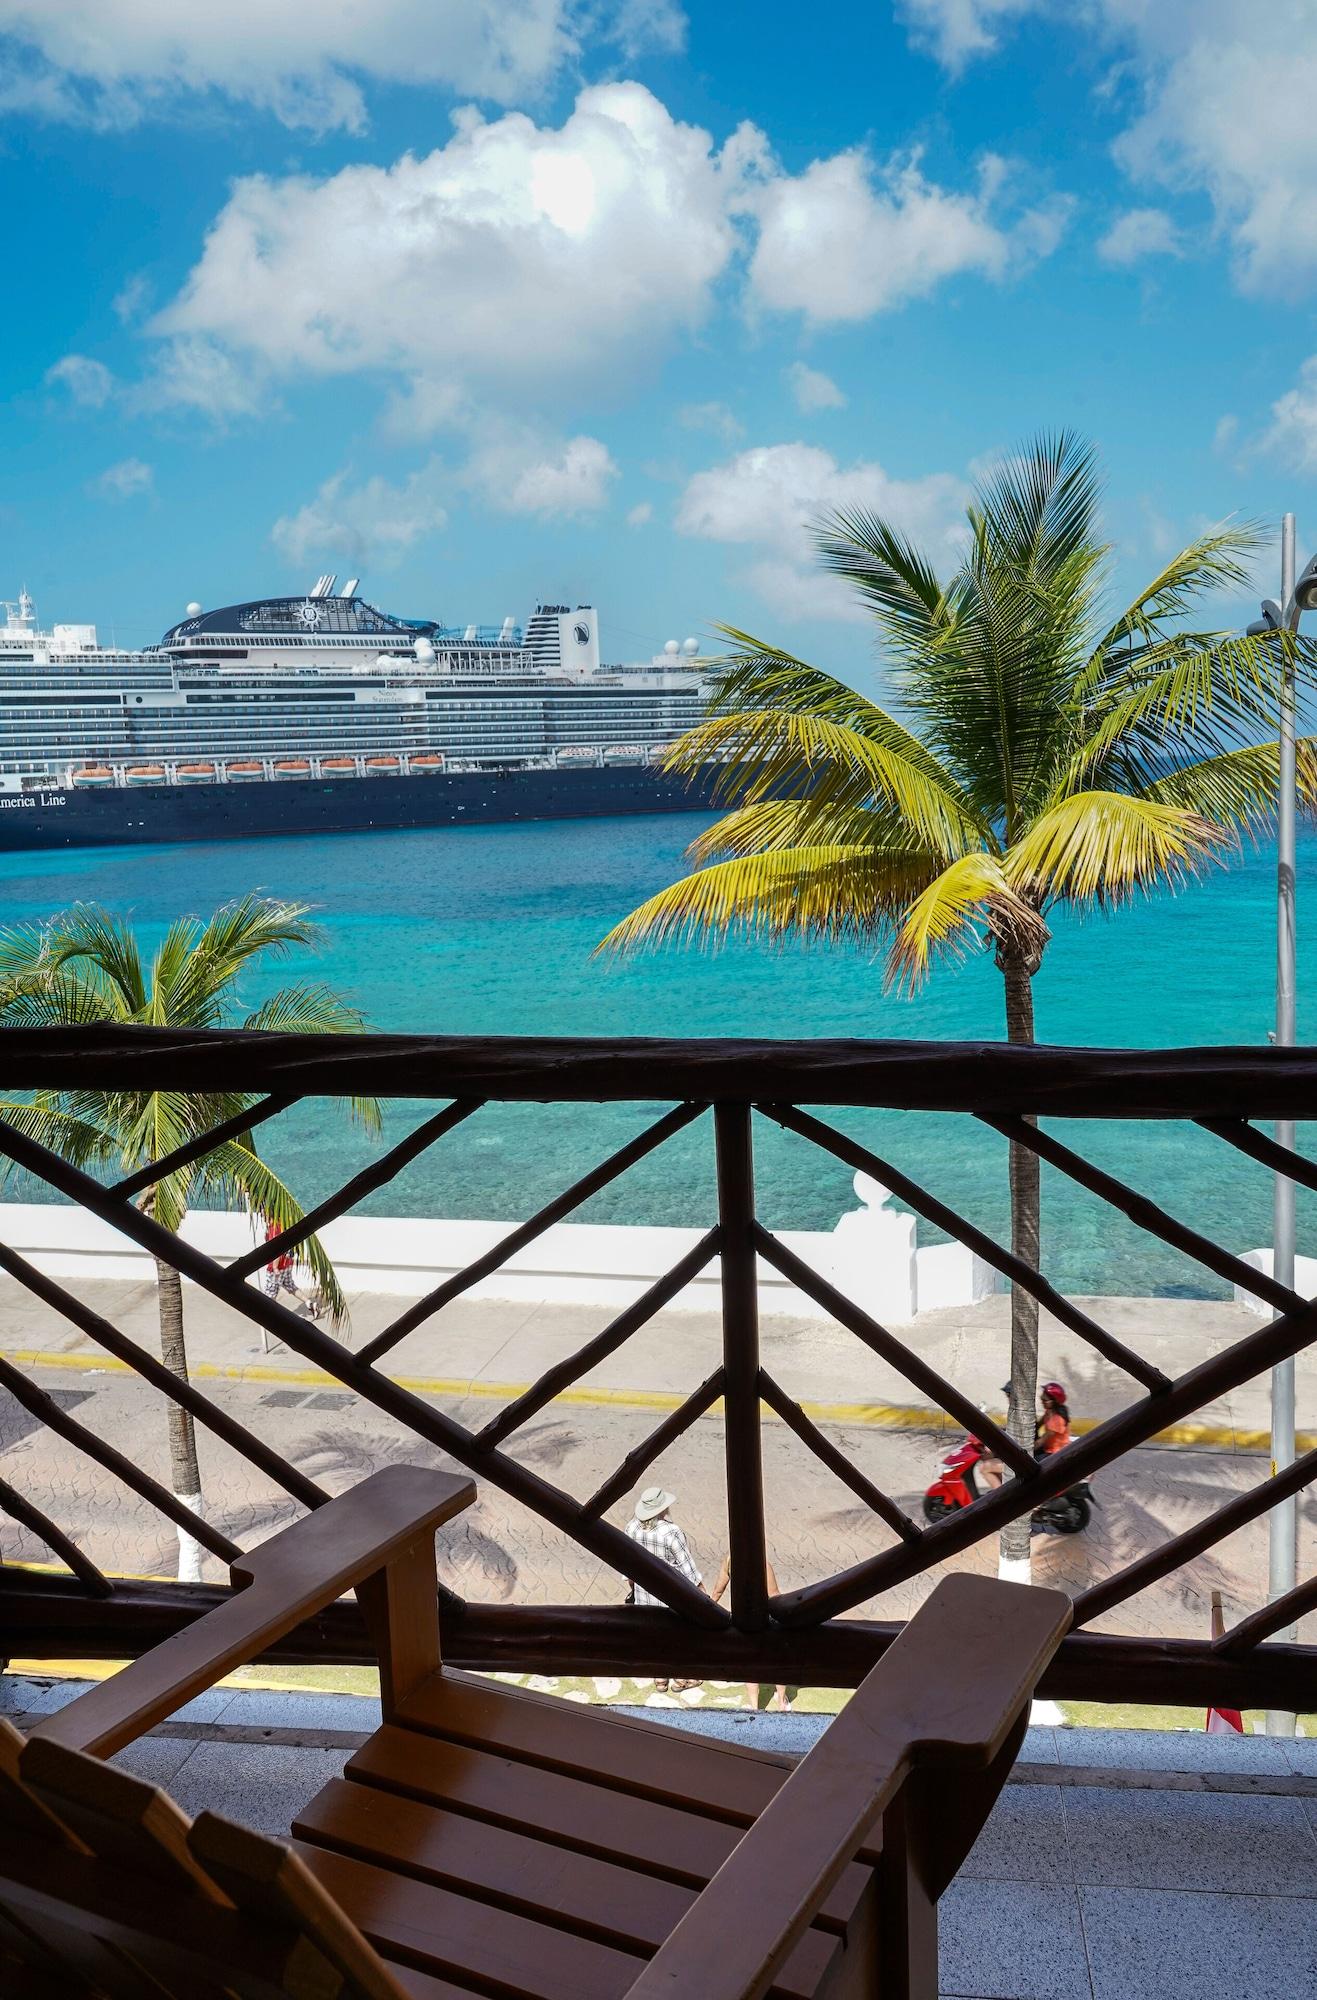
(488, 1841)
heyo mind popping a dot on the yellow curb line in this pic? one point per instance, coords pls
(872, 1416)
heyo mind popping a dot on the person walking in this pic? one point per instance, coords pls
(782, 1695)
(652, 1526)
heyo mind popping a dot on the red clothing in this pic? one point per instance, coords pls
(1053, 1433)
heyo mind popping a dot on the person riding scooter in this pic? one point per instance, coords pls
(1051, 1431)
(957, 1486)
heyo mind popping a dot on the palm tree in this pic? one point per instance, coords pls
(85, 967)
(1052, 753)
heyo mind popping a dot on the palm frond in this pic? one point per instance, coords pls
(252, 927)
(317, 1010)
(74, 1138)
(894, 578)
(968, 900)
(92, 939)
(239, 1171)
(793, 753)
(1183, 699)
(823, 892)
(1038, 507)
(774, 825)
(1102, 846)
(1212, 562)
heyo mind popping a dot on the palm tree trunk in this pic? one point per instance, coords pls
(185, 1474)
(1014, 1563)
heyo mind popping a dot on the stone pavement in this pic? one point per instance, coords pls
(490, 1348)
(499, 1552)
(1118, 1865)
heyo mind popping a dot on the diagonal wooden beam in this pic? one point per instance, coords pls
(1241, 1639)
(196, 1149)
(355, 1190)
(21, 1510)
(48, 1412)
(642, 1457)
(421, 1418)
(836, 1461)
(894, 1352)
(937, 1212)
(1145, 1214)
(1237, 1132)
(1205, 1534)
(554, 1380)
(1131, 1427)
(517, 1239)
(179, 1391)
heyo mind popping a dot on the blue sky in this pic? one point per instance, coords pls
(496, 300)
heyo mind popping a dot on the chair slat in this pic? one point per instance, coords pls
(588, 1898)
(725, 1780)
(576, 1813)
(21, 1811)
(118, 1817)
(265, 1878)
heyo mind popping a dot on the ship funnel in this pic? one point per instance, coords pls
(350, 587)
(324, 585)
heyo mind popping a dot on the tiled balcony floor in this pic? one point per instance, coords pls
(1118, 1865)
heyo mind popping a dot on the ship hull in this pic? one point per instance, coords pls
(118, 817)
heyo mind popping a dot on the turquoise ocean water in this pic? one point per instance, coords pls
(490, 930)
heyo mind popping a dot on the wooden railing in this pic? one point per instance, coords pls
(801, 1634)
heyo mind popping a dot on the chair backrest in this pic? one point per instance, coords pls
(109, 1892)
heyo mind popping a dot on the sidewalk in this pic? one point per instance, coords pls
(493, 1349)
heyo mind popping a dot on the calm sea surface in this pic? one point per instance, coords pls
(490, 931)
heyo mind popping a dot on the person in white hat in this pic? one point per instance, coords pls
(653, 1527)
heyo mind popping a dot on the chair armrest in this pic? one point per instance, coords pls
(944, 1696)
(288, 1578)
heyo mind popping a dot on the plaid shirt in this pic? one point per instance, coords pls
(664, 1539)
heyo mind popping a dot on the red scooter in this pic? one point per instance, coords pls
(955, 1487)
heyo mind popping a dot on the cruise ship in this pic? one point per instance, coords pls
(322, 714)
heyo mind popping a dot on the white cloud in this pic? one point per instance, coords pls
(715, 417)
(1292, 436)
(1231, 113)
(123, 481)
(524, 476)
(846, 239)
(194, 373)
(373, 523)
(113, 62)
(132, 298)
(516, 254)
(640, 515)
(1140, 233)
(1216, 107)
(766, 499)
(812, 389)
(956, 30)
(89, 382)
(1225, 433)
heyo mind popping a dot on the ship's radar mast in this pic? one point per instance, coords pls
(22, 616)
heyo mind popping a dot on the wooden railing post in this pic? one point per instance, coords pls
(740, 1296)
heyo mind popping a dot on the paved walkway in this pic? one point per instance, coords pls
(1118, 1865)
(488, 1349)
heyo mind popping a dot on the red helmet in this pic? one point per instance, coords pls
(1054, 1392)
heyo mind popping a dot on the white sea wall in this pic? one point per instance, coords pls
(1305, 1280)
(871, 1256)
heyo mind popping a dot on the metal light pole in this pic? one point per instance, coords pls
(1283, 1520)
(1298, 593)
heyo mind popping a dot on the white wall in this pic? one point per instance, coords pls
(870, 1256)
(1305, 1280)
